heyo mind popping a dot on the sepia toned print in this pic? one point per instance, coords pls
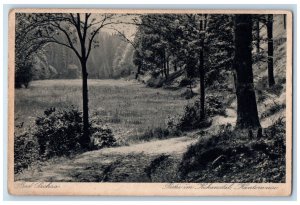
(150, 102)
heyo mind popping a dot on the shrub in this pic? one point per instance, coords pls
(172, 122)
(26, 151)
(155, 133)
(102, 137)
(215, 105)
(191, 118)
(58, 132)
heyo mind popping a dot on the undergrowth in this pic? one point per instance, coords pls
(237, 156)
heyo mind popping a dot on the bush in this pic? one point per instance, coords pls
(155, 133)
(215, 105)
(26, 151)
(58, 132)
(191, 118)
(102, 137)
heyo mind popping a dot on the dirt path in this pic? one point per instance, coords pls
(123, 164)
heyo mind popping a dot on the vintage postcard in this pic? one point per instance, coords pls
(150, 102)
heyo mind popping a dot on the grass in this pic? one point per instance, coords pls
(128, 107)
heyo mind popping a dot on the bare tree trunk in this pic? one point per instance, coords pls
(202, 73)
(168, 66)
(84, 141)
(247, 114)
(202, 86)
(257, 36)
(270, 50)
(138, 72)
(284, 21)
(162, 71)
(165, 66)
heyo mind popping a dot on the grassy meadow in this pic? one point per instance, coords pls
(128, 107)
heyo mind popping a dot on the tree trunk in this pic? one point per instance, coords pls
(168, 67)
(165, 67)
(270, 50)
(175, 66)
(201, 72)
(284, 21)
(85, 140)
(138, 72)
(247, 115)
(257, 36)
(202, 86)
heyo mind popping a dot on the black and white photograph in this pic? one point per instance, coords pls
(185, 99)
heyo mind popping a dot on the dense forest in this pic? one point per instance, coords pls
(222, 66)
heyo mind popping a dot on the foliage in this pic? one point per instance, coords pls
(23, 74)
(58, 132)
(26, 151)
(272, 110)
(155, 133)
(237, 156)
(102, 137)
(149, 170)
(27, 44)
(191, 118)
(220, 47)
(215, 105)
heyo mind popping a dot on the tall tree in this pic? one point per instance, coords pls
(203, 24)
(257, 36)
(78, 31)
(247, 114)
(219, 44)
(270, 50)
